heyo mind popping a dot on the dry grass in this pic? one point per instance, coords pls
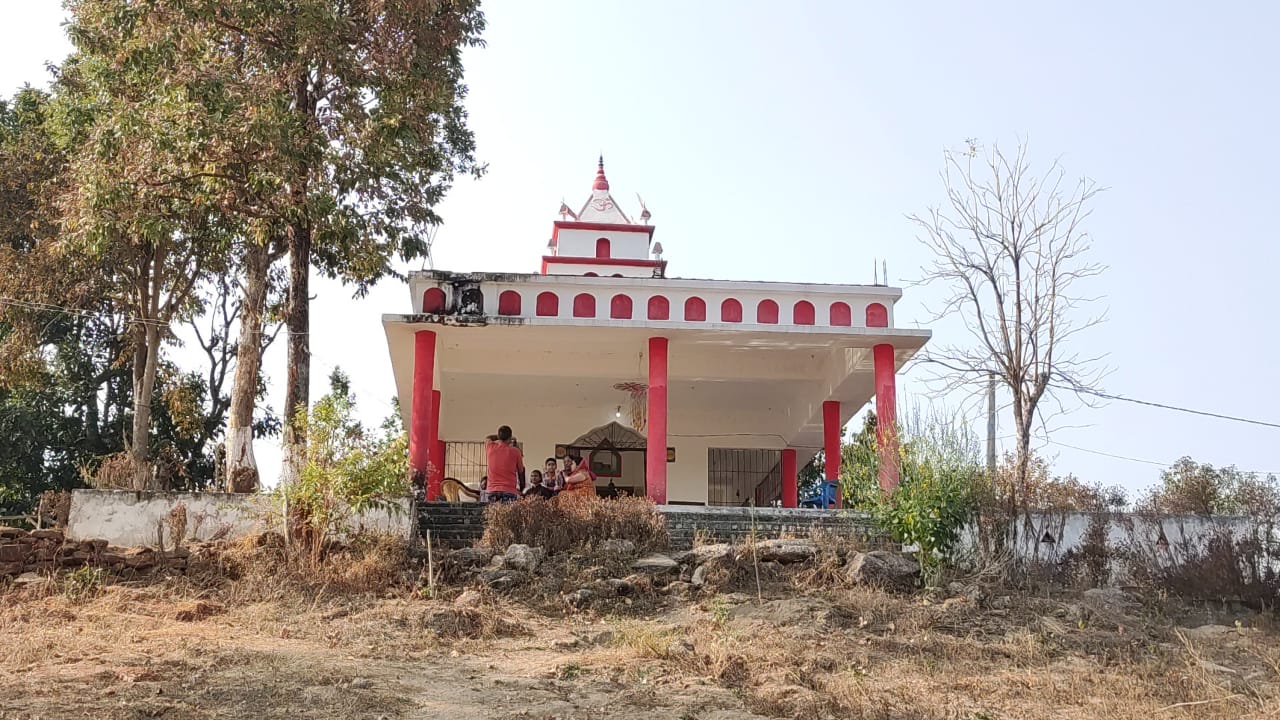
(574, 522)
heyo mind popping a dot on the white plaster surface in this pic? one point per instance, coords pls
(126, 517)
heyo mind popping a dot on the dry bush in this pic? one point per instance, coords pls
(1240, 569)
(115, 472)
(574, 522)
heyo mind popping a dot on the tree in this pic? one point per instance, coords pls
(327, 128)
(1189, 487)
(1045, 491)
(1011, 247)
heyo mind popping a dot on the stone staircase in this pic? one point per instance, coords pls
(461, 524)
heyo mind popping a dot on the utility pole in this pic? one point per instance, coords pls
(991, 424)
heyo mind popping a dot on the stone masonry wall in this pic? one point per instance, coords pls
(46, 551)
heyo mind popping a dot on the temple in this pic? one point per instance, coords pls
(701, 392)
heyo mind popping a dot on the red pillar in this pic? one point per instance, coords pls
(435, 473)
(790, 482)
(655, 459)
(421, 421)
(831, 431)
(886, 416)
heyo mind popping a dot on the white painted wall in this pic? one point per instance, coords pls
(129, 518)
(568, 267)
(630, 245)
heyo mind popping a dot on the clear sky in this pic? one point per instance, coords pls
(789, 143)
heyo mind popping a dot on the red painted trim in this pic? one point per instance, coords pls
(790, 480)
(695, 309)
(802, 313)
(433, 301)
(420, 412)
(841, 315)
(731, 311)
(831, 432)
(590, 274)
(567, 260)
(548, 304)
(603, 248)
(767, 312)
(544, 266)
(877, 315)
(655, 465)
(584, 305)
(598, 227)
(886, 416)
(620, 307)
(659, 308)
(435, 458)
(509, 303)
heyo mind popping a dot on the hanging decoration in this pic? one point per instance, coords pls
(637, 404)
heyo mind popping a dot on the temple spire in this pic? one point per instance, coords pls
(602, 182)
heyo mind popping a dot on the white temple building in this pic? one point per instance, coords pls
(688, 391)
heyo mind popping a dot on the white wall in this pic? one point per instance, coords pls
(622, 244)
(126, 517)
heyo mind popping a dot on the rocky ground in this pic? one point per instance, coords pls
(780, 629)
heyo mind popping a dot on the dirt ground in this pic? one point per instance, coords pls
(175, 649)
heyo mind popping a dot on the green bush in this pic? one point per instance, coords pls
(939, 471)
(348, 470)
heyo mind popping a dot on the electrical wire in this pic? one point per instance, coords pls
(1205, 413)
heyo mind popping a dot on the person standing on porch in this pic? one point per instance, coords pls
(506, 465)
(552, 477)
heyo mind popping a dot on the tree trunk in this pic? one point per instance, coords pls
(241, 467)
(144, 387)
(297, 324)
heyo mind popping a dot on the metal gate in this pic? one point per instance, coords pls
(742, 477)
(466, 461)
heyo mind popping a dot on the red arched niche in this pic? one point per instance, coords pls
(731, 311)
(767, 312)
(590, 274)
(584, 305)
(433, 300)
(603, 247)
(877, 315)
(841, 315)
(548, 304)
(509, 303)
(620, 307)
(802, 313)
(695, 309)
(659, 308)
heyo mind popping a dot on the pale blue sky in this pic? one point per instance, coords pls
(789, 143)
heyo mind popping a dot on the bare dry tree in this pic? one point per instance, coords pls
(1011, 247)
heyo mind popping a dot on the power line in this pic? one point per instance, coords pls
(1205, 413)
(1140, 460)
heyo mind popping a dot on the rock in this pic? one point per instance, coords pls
(361, 683)
(13, 553)
(579, 598)
(704, 553)
(655, 564)
(468, 598)
(522, 557)
(620, 587)
(1208, 632)
(883, 568)
(472, 557)
(699, 576)
(10, 533)
(617, 548)
(47, 534)
(678, 588)
(11, 568)
(784, 551)
(1000, 602)
(27, 578)
(499, 579)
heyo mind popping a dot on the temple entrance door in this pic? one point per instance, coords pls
(616, 455)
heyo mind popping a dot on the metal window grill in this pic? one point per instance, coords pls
(466, 461)
(742, 477)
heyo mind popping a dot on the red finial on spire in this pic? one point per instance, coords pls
(601, 183)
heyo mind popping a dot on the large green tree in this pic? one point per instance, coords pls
(327, 129)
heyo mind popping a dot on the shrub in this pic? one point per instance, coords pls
(347, 471)
(574, 522)
(938, 473)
